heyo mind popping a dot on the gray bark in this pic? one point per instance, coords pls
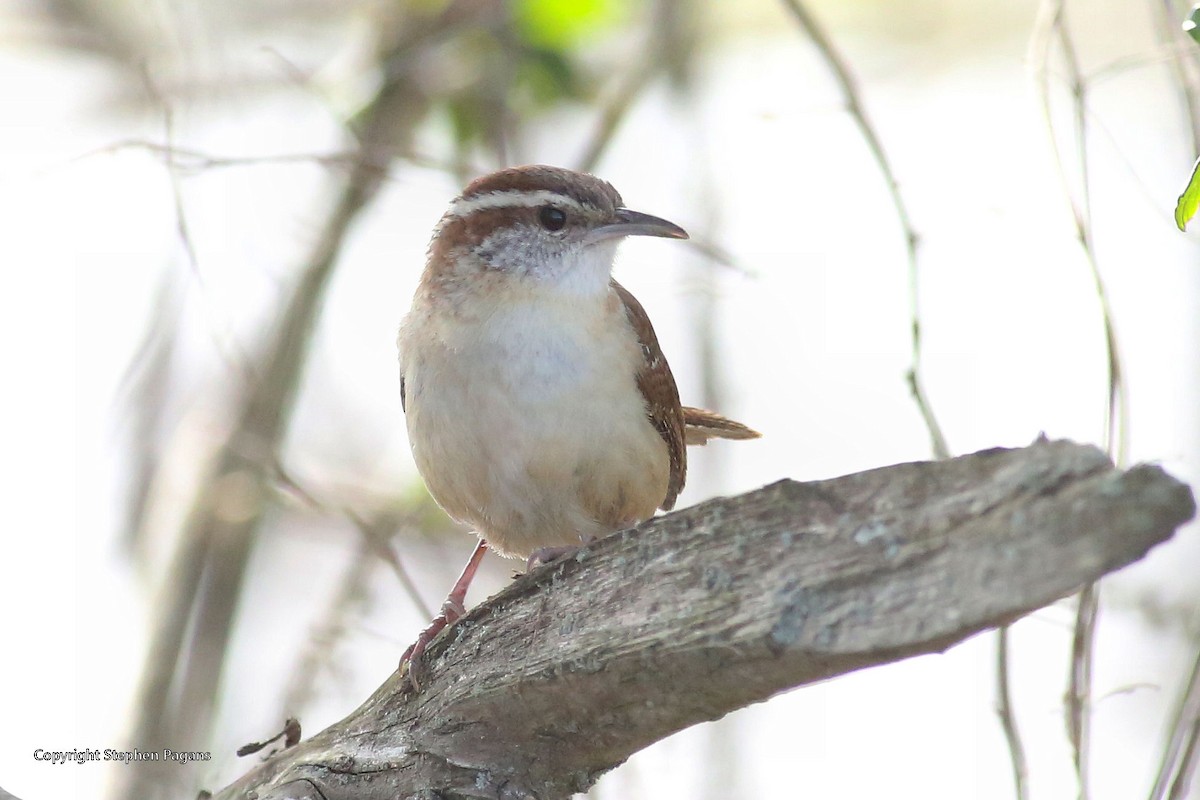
(574, 667)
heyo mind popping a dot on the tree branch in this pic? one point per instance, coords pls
(574, 667)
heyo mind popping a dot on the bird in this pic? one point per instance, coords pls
(540, 409)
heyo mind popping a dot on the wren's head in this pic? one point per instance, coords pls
(540, 226)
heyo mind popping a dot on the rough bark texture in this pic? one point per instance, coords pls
(576, 666)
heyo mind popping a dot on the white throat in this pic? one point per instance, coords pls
(585, 272)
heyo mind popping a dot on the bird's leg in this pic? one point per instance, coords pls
(452, 609)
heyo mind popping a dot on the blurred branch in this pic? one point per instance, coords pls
(671, 50)
(142, 388)
(575, 666)
(376, 533)
(496, 89)
(1121, 66)
(676, 27)
(181, 224)
(1052, 29)
(236, 360)
(1182, 751)
(1183, 63)
(718, 255)
(190, 160)
(320, 652)
(938, 444)
(854, 106)
(203, 584)
(641, 74)
(110, 31)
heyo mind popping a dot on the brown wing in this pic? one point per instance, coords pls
(700, 425)
(658, 389)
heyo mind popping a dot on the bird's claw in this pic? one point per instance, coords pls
(452, 612)
(548, 555)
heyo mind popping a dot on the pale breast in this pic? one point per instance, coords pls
(531, 427)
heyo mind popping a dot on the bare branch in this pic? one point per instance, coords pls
(1079, 686)
(630, 86)
(376, 532)
(1183, 63)
(1052, 29)
(670, 49)
(187, 160)
(1008, 718)
(561, 676)
(854, 106)
(1180, 753)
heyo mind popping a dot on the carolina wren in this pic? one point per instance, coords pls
(540, 410)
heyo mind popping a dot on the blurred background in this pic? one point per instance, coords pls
(214, 215)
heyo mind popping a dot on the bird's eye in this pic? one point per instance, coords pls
(552, 218)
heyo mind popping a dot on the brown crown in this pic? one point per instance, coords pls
(579, 186)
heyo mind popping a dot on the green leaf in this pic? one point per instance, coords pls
(559, 24)
(1185, 207)
(1191, 25)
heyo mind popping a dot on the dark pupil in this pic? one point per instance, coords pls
(552, 218)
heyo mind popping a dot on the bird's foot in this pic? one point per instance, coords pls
(548, 555)
(452, 610)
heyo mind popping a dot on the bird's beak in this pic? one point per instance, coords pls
(635, 223)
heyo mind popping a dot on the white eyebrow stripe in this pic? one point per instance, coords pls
(511, 199)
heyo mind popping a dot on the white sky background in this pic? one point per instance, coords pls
(813, 346)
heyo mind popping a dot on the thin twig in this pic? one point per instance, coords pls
(672, 53)
(854, 107)
(1079, 689)
(377, 541)
(181, 223)
(642, 71)
(1163, 207)
(380, 542)
(1052, 29)
(1183, 64)
(670, 49)
(1191, 755)
(187, 160)
(1180, 754)
(140, 392)
(1123, 65)
(1008, 719)
(319, 652)
(223, 340)
(937, 439)
(302, 80)
(718, 255)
